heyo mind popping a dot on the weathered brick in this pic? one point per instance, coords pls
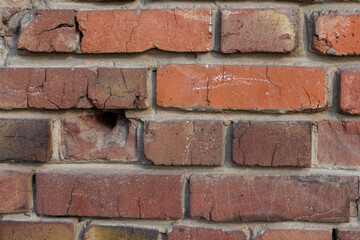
(192, 142)
(336, 33)
(26, 230)
(103, 136)
(99, 232)
(15, 191)
(110, 193)
(259, 30)
(25, 140)
(64, 88)
(338, 143)
(241, 87)
(347, 234)
(177, 30)
(295, 234)
(350, 92)
(315, 198)
(275, 144)
(49, 31)
(200, 233)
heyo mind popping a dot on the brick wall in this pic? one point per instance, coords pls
(224, 120)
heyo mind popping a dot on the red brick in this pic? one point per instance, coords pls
(26, 230)
(177, 30)
(200, 233)
(275, 144)
(241, 87)
(347, 234)
(295, 234)
(109, 193)
(192, 142)
(50, 31)
(259, 30)
(103, 136)
(350, 92)
(336, 33)
(15, 191)
(315, 198)
(64, 88)
(338, 143)
(26, 140)
(98, 232)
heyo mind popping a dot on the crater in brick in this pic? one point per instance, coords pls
(105, 135)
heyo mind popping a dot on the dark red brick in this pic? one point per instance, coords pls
(259, 30)
(15, 191)
(192, 142)
(109, 193)
(276, 144)
(347, 233)
(25, 140)
(103, 136)
(201, 233)
(315, 198)
(295, 234)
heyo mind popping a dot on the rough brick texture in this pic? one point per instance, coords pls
(114, 193)
(26, 140)
(338, 143)
(350, 92)
(199, 233)
(275, 144)
(241, 87)
(103, 136)
(272, 198)
(49, 31)
(347, 234)
(294, 234)
(177, 30)
(26, 230)
(64, 88)
(259, 30)
(336, 33)
(98, 232)
(15, 191)
(193, 142)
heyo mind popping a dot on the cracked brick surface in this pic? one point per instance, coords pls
(294, 234)
(202, 233)
(272, 144)
(93, 192)
(183, 142)
(25, 140)
(177, 30)
(64, 88)
(272, 198)
(106, 135)
(336, 33)
(36, 230)
(16, 191)
(241, 87)
(49, 31)
(259, 30)
(99, 232)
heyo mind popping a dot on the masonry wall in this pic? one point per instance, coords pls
(235, 120)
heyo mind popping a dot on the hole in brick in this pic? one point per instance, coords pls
(108, 119)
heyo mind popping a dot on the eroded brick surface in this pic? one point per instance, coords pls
(98, 232)
(295, 234)
(192, 142)
(201, 233)
(26, 230)
(316, 198)
(103, 136)
(25, 140)
(178, 30)
(272, 144)
(259, 30)
(241, 87)
(49, 31)
(110, 193)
